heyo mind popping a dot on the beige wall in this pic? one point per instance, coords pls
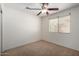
(0, 28)
(70, 40)
(19, 27)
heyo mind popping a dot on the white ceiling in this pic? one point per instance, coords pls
(21, 6)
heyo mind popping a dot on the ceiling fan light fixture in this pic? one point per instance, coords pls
(44, 10)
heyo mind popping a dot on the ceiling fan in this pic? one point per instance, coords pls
(44, 9)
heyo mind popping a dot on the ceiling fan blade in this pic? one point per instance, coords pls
(53, 8)
(39, 13)
(33, 8)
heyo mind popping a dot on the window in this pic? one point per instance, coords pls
(53, 25)
(61, 24)
(64, 24)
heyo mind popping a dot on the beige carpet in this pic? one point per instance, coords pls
(41, 48)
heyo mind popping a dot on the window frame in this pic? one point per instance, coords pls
(58, 17)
